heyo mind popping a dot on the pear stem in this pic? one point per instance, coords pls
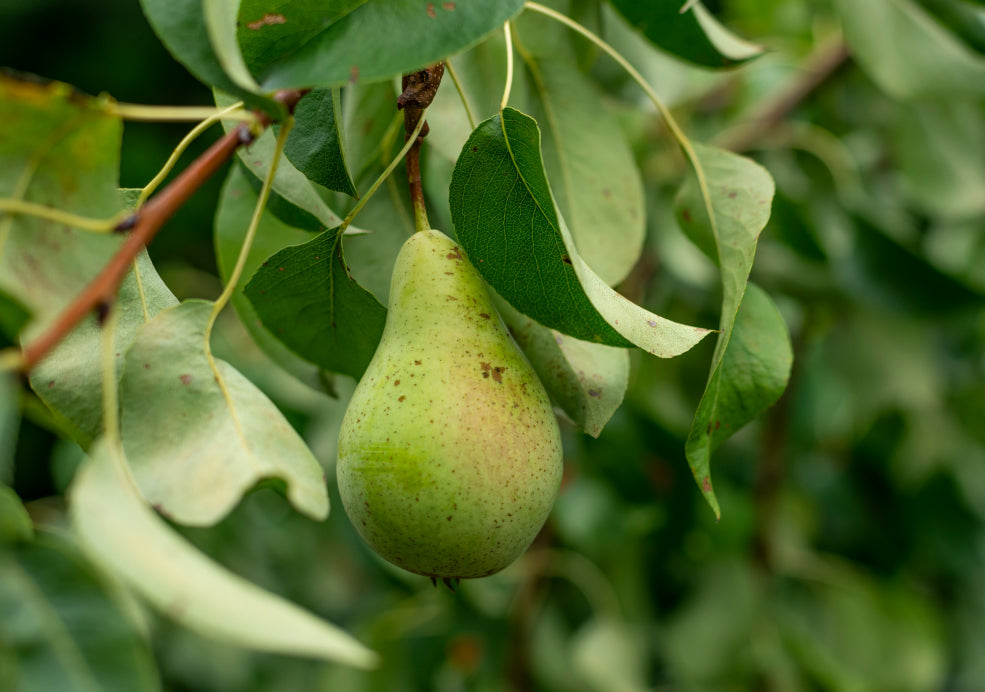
(419, 90)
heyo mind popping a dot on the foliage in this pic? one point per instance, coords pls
(173, 455)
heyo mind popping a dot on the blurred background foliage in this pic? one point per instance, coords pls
(850, 554)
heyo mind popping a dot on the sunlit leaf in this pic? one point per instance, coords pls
(506, 220)
(198, 433)
(123, 534)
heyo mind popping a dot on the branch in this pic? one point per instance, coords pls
(818, 67)
(419, 90)
(100, 292)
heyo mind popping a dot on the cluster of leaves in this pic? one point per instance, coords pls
(874, 266)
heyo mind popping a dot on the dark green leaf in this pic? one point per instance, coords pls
(305, 297)
(961, 17)
(10, 419)
(315, 144)
(64, 626)
(198, 434)
(740, 193)
(505, 218)
(596, 183)
(269, 29)
(13, 315)
(694, 35)
(414, 34)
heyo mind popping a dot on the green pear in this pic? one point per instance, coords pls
(449, 452)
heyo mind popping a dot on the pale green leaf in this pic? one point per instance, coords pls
(123, 534)
(220, 22)
(198, 433)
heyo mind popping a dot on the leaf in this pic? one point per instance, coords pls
(415, 34)
(63, 626)
(961, 17)
(294, 198)
(740, 193)
(505, 218)
(220, 22)
(907, 53)
(588, 381)
(693, 34)
(182, 27)
(608, 656)
(13, 315)
(269, 29)
(236, 204)
(749, 378)
(315, 143)
(597, 185)
(63, 148)
(118, 530)
(305, 296)
(198, 433)
(15, 522)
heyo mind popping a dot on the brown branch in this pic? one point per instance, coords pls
(99, 293)
(818, 67)
(419, 90)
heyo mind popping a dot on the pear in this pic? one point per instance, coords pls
(449, 452)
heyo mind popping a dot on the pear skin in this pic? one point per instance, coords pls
(449, 453)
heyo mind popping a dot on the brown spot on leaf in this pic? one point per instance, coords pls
(431, 13)
(266, 20)
(354, 73)
(652, 323)
(450, 6)
(606, 192)
(185, 379)
(396, 382)
(706, 484)
(686, 215)
(485, 315)
(732, 194)
(566, 259)
(51, 384)
(417, 362)
(595, 393)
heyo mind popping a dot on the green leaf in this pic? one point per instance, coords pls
(415, 34)
(236, 204)
(588, 381)
(63, 148)
(187, 27)
(961, 17)
(505, 218)
(120, 532)
(907, 53)
(315, 144)
(747, 380)
(294, 198)
(609, 656)
(64, 628)
(597, 185)
(740, 193)
(198, 434)
(694, 35)
(13, 315)
(305, 296)
(269, 29)
(15, 522)
(10, 418)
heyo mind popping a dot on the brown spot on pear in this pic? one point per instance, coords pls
(484, 451)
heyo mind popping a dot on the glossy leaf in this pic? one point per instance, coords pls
(315, 143)
(120, 532)
(507, 222)
(693, 34)
(197, 433)
(269, 29)
(740, 193)
(305, 296)
(907, 53)
(415, 34)
(63, 627)
(293, 197)
(595, 181)
(749, 378)
(65, 149)
(588, 381)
